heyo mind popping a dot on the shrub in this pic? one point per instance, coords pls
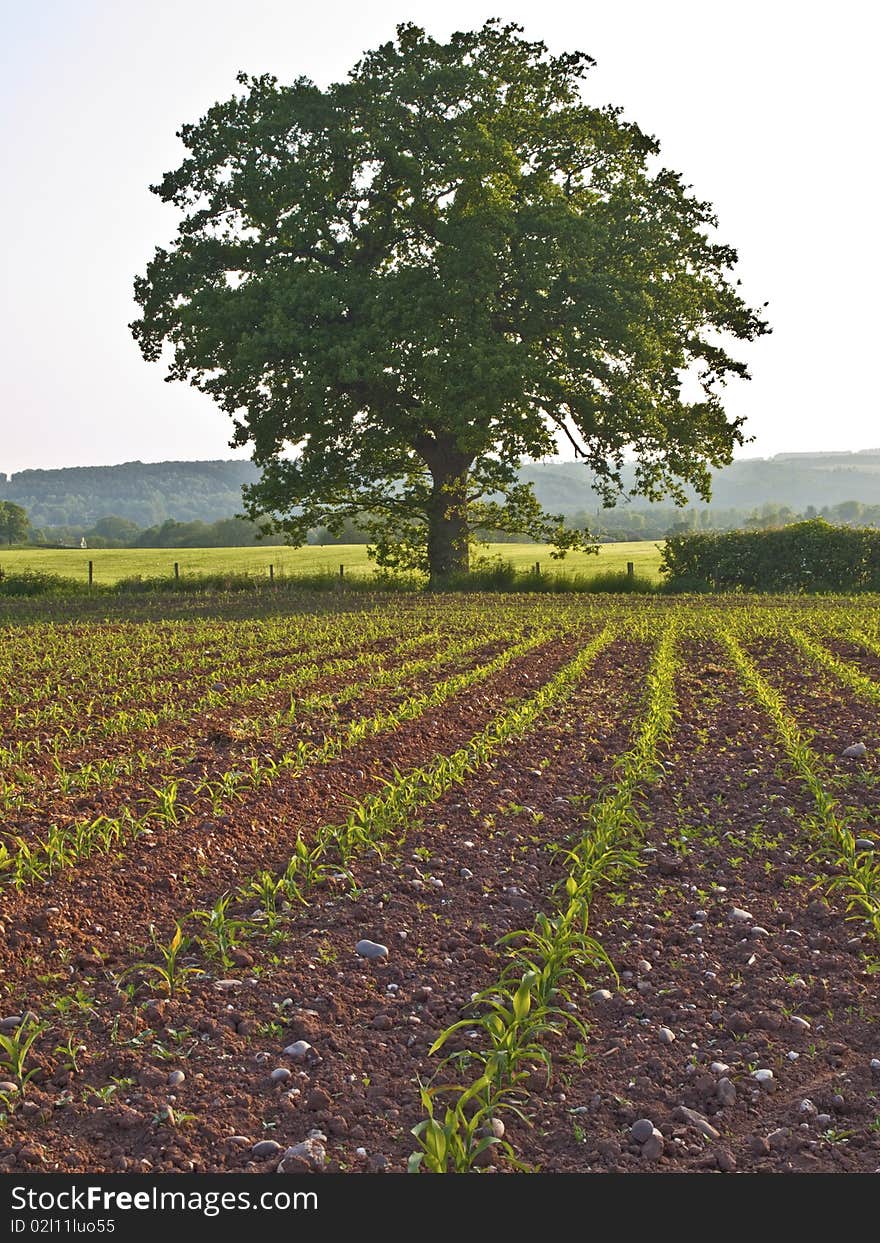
(36, 583)
(806, 556)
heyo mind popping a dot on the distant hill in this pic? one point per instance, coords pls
(149, 493)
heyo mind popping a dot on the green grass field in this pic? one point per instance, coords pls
(111, 564)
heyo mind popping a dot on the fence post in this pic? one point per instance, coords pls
(91, 572)
(342, 571)
(271, 572)
(176, 570)
(630, 569)
(538, 568)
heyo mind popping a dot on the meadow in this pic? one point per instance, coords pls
(442, 884)
(112, 564)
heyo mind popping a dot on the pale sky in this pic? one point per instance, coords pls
(768, 109)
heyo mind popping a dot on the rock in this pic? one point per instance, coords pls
(756, 932)
(266, 1148)
(643, 965)
(865, 843)
(758, 1146)
(665, 1036)
(823, 1119)
(466, 874)
(7, 1086)
(725, 1160)
(642, 1130)
(719, 1068)
(694, 1119)
(299, 1050)
(762, 1076)
(653, 1146)
(801, 1024)
(778, 1140)
(726, 1093)
(239, 1141)
(855, 751)
(280, 1074)
(10, 1022)
(700, 917)
(371, 949)
(807, 1108)
(875, 1064)
(176, 1078)
(382, 1022)
(601, 994)
(310, 1153)
(740, 916)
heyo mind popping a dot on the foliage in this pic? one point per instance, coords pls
(806, 556)
(425, 273)
(14, 523)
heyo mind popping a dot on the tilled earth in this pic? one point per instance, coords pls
(741, 1029)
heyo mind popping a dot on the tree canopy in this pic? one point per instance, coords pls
(14, 522)
(403, 284)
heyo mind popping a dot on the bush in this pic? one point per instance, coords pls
(803, 557)
(36, 583)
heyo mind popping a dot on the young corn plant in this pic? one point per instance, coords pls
(15, 1048)
(457, 1140)
(170, 973)
(222, 933)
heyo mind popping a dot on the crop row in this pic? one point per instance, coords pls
(105, 772)
(857, 871)
(66, 845)
(532, 999)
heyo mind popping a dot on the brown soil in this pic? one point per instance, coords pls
(723, 828)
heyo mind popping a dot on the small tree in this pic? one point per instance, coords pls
(400, 286)
(14, 523)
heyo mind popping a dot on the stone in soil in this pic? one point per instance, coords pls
(726, 1092)
(694, 1119)
(371, 949)
(310, 1153)
(642, 1130)
(266, 1148)
(855, 751)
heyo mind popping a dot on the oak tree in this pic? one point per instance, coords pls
(403, 284)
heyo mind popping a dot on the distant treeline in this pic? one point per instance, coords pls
(659, 522)
(148, 494)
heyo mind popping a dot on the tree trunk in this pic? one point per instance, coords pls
(448, 546)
